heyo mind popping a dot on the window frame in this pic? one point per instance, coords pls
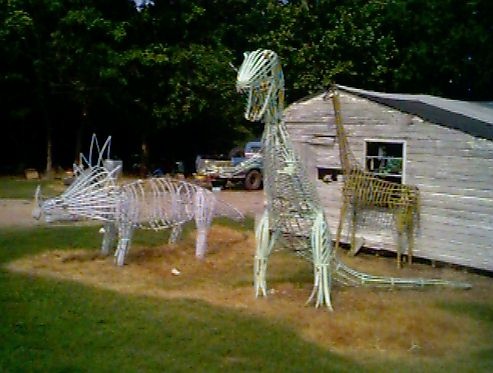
(401, 142)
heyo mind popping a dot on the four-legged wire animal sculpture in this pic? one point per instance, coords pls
(364, 191)
(155, 203)
(293, 210)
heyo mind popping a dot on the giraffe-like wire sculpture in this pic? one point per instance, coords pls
(363, 191)
(293, 210)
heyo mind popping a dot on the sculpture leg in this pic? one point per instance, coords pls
(341, 223)
(204, 208)
(175, 234)
(201, 242)
(109, 236)
(265, 243)
(400, 237)
(353, 227)
(400, 227)
(322, 254)
(124, 239)
(356, 242)
(410, 242)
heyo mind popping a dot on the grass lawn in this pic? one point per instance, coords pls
(17, 187)
(84, 314)
(63, 307)
(55, 325)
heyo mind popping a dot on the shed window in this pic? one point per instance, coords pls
(386, 159)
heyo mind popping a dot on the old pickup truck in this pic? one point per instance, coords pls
(245, 169)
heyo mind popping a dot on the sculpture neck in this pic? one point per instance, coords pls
(348, 162)
(275, 107)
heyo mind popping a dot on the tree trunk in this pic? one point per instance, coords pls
(49, 153)
(144, 158)
(80, 133)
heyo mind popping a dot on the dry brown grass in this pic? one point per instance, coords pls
(390, 323)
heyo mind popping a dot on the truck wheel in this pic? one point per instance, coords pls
(253, 180)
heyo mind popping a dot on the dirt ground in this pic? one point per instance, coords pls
(17, 212)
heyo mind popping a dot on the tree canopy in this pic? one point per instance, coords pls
(158, 77)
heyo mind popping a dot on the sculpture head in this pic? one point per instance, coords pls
(91, 195)
(90, 179)
(260, 77)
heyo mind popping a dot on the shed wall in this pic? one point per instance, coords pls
(453, 170)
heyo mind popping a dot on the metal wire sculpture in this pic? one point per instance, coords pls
(362, 191)
(102, 152)
(154, 203)
(293, 210)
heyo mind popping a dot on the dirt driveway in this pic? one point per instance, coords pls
(17, 212)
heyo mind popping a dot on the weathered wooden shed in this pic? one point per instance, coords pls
(445, 147)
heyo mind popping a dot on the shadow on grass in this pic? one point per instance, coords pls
(51, 325)
(478, 311)
(55, 325)
(480, 360)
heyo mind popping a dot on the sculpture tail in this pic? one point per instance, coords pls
(225, 209)
(350, 277)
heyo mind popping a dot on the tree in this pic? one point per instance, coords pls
(25, 76)
(87, 47)
(67, 53)
(328, 41)
(159, 77)
(444, 47)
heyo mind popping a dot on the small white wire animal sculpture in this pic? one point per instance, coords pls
(293, 211)
(154, 203)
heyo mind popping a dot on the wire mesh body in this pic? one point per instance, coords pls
(293, 209)
(159, 203)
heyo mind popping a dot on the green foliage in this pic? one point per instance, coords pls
(329, 42)
(443, 47)
(160, 73)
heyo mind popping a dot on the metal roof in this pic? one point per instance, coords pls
(474, 118)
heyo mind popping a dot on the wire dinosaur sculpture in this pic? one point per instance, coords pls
(154, 203)
(364, 191)
(293, 209)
